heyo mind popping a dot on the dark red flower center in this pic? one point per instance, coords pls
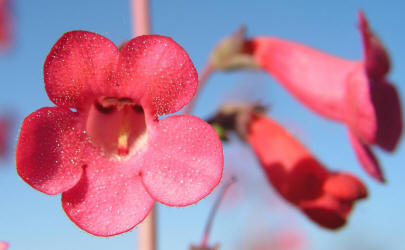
(117, 125)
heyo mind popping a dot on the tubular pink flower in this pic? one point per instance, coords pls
(326, 197)
(355, 93)
(112, 157)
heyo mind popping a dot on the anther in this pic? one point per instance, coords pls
(138, 109)
(104, 110)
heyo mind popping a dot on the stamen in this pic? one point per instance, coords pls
(123, 133)
(123, 144)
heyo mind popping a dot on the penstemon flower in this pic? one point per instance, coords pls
(103, 146)
(326, 197)
(355, 93)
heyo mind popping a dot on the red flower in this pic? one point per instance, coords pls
(112, 157)
(3, 245)
(353, 92)
(324, 196)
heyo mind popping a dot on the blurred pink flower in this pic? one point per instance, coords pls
(279, 239)
(326, 197)
(5, 24)
(113, 157)
(355, 93)
(5, 128)
(3, 245)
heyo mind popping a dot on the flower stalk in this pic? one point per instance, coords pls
(208, 226)
(141, 26)
(140, 17)
(202, 79)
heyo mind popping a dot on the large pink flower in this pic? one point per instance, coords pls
(103, 147)
(353, 92)
(326, 197)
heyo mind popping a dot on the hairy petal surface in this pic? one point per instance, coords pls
(184, 161)
(49, 150)
(109, 199)
(79, 64)
(158, 73)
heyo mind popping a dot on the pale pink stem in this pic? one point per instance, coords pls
(141, 26)
(202, 79)
(140, 17)
(147, 232)
(214, 210)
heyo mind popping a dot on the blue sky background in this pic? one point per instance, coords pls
(32, 220)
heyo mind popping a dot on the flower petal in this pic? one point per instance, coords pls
(79, 64)
(375, 56)
(158, 73)
(110, 199)
(367, 158)
(327, 211)
(345, 187)
(49, 150)
(315, 78)
(361, 117)
(185, 161)
(389, 116)
(289, 166)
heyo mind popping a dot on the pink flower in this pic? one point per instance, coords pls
(113, 157)
(326, 197)
(3, 245)
(355, 93)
